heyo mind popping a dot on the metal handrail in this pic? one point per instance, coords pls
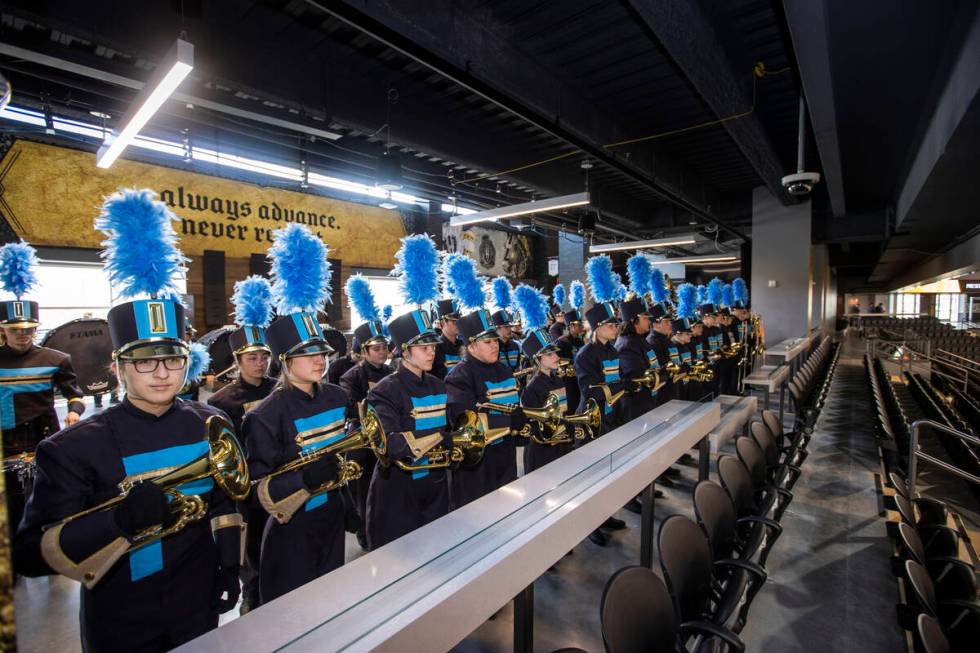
(972, 363)
(915, 454)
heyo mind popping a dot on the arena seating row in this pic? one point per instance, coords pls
(937, 582)
(713, 567)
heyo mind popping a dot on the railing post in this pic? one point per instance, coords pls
(913, 461)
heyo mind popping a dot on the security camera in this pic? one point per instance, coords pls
(800, 183)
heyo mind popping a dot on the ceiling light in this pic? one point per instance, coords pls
(389, 172)
(502, 212)
(707, 258)
(685, 239)
(388, 204)
(166, 78)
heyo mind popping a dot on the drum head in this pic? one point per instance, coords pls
(88, 343)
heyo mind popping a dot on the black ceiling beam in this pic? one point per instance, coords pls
(807, 20)
(445, 39)
(690, 40)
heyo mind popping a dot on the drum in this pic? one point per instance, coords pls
(222, 358)
(88, 343)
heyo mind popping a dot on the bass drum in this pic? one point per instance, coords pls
(217, 343)
(88, 343)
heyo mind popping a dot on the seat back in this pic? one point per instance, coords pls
(686, 562)
(922, 588)
(905, 509)
(912, 543)
(737, 482)
(931, 635)
(637, 614)
(716, 514)
(771, 419)
(763, 438)
(754, 460)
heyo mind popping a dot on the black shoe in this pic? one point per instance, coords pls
(634, 506)
(657, 494)
(666, 482)
(613, 524)
(686, 459)
(672, 472)
(598, 538)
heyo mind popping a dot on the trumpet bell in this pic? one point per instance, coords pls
(226, 460)
(372, 431)
(592, 417)
(469, 439)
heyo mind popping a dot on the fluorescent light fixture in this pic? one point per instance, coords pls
(707, 258)
(166, 78)
(502, 212)
(684, 239)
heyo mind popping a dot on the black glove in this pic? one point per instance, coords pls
(518, 420)
(226, 582)
(317, 473)
(352, 521)
(145, 505)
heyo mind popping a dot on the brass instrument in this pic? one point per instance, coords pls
(701, 372)
(590, 419)
(611, 397)
(370, 435)
(549, 415)
(759, 331)
(732, 350)
(224, 462)
(676, 374)
(469, 440)
(525, 372)
(650, 379)
(565, 368)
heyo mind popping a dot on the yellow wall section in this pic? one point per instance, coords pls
(54, 194)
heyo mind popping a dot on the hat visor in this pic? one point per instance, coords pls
(159, 349)
(376, 340)
(309, 348)
(547, 349)
(22, 324)
(255, 346)
(450, 316)
(426, 338)
(489, 334)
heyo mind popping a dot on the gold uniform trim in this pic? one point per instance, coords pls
(421, 446)
(249, 405)
(232, 520)
(320, 433)
(90, 570)
(282, 511)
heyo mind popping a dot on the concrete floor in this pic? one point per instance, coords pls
(830, 586)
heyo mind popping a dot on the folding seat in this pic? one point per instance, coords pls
(790, 455)
(717, 591)
(766, 482)
(750, 512)
(930, 636)
(952, 577)
(938, 539)
(638, 616)
(960, 620)
(715, 512)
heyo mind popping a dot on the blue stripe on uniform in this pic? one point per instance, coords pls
(611, 364)
(319, 421)
(435, 419)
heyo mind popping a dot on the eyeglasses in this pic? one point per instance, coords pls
(148, 365)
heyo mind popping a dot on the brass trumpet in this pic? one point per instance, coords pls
(611, 397)
(591, 419)
(732, 350)
(549, 415)
(650, 379)
(701, 372)
(676, 374)
(370, 435)
(224, 462)
(469, 441)
(566, 368)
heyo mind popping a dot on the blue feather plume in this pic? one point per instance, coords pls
(386, 317)
(621, 292)
(727, 295)
(532, 305)
(460, 270)
(702, 294)
(361, 298)
(685, 301)
(640, 274)
(300, 271)
(558, 295)
(576, 297)
(502, 296)
(418, 269)
(714, 291)
(18, 262)
(741, 290)
(598, 270)
(198, 361)
(252, 300)
(141, 255)
(658, 285)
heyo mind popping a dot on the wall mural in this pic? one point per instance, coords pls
(497, 253)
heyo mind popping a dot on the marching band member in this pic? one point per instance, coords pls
(304, 534)
(342, 359)
(359, 380)
(680, 353)
(597, 363)
(557, 328)
(504, 320)
(573, 340)
(659, 340)
(448, 349)
(137, 594)
(743, 326)
(636, 356)
(252, 300)
(481, 377)
(28, 374)
(411, 404)
(540, 349)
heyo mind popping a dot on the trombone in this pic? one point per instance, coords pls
(370, 435)
(224, 461)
